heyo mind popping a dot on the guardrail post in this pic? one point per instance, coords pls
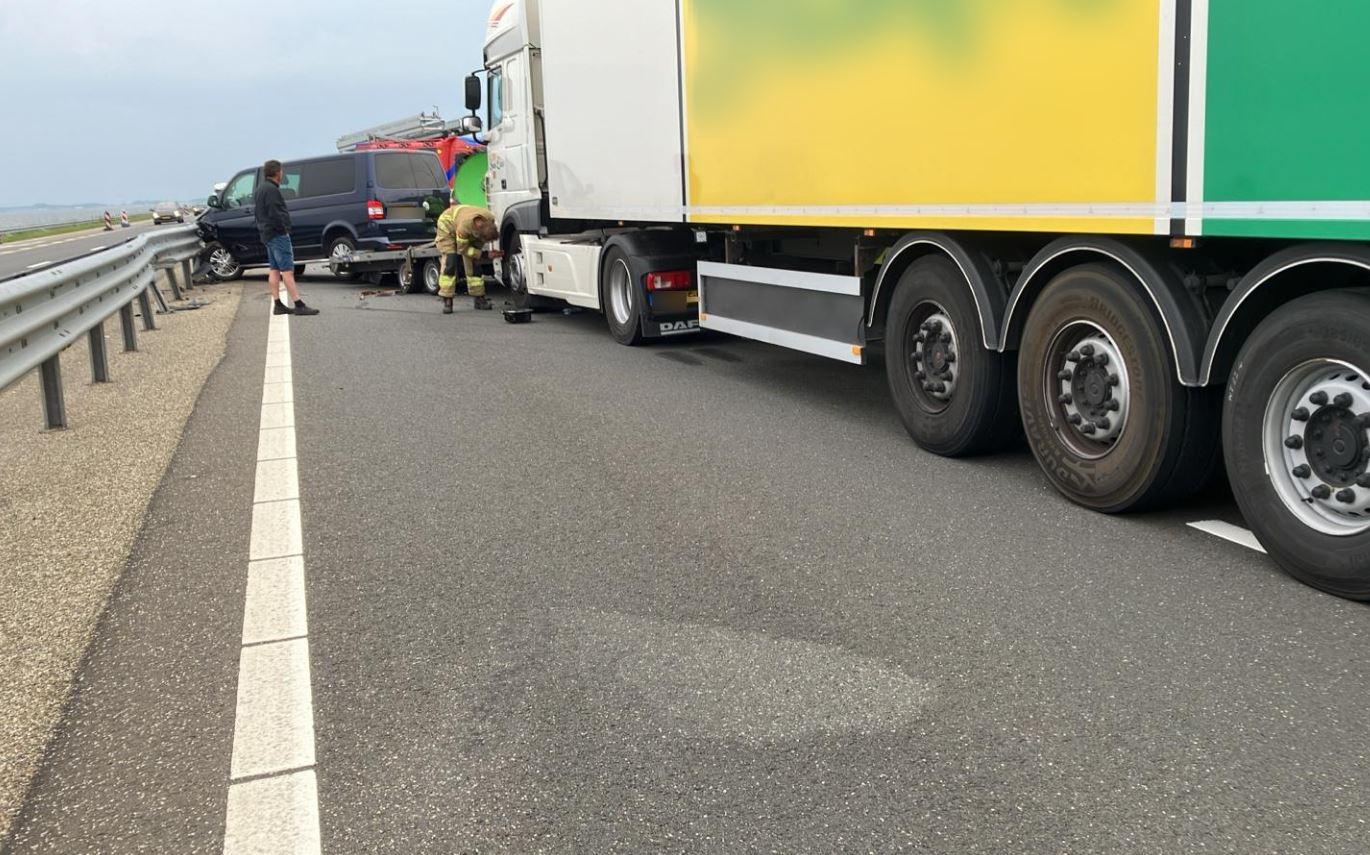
(130, 331)
(99, 359)
(175, 288)
(185, 270)
(54, 408)
(145, 306)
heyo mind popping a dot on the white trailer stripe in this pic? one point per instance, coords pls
(1198, 116)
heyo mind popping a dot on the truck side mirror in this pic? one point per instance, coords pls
(472, 92)
(471, 124)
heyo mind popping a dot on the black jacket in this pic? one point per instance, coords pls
(268, 206)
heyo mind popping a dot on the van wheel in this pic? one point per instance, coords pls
(1295, 438)
(405, 278)
(432, 276)
(339, 249)
(955, 396)
(222, 265)
(621, 298)
(299, 270)
(1107, 420)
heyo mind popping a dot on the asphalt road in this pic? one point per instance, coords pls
(705, 596)
(38, 253)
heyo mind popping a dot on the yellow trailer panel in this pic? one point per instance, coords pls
(1018, 115)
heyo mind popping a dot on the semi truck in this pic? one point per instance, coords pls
(1136, 232)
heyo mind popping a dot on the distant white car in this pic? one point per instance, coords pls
(166, 212)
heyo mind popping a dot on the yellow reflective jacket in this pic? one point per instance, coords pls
(454, 230)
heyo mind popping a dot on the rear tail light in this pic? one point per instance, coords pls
(375, 210)
(670, 280)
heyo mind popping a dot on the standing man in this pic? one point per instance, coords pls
(273, 226)
(463, 232)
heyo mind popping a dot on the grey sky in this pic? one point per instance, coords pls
(148, 99)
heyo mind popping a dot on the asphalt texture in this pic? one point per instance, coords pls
(703, 596)
(40, 253)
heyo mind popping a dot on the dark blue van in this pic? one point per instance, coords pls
(364, 200)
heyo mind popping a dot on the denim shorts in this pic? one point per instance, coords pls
(280, 253)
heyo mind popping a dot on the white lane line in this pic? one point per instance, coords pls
(275, 600)
(273, 793)
(1230, 532)
(274, 728)
(276, 444)
(278, 814)
(39, 264)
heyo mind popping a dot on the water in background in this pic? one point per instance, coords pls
(25, 218)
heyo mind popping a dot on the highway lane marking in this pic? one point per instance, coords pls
(273, 798)
(39, 264)
(1229, 532)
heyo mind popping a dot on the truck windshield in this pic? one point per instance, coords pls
(496, 97)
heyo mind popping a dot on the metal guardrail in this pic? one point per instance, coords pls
(43, 313)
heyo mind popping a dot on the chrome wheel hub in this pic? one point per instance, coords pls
(935, 355)
(1317, 448)
(1089, 389)
(222, 262)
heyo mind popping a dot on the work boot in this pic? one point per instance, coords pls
(447, 305)
(302, 309)
(282, 309)
(482, 303)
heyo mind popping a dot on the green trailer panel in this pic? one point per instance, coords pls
(1286, 118)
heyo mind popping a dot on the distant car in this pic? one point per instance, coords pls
(166, 212)
(364, 200)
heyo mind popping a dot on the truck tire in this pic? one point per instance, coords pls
(1104, 414)
(955, 397)
(432, 274)
(1295, 439)
(621, 298)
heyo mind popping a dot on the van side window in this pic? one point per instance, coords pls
(428, 173)
(327, 177)
(393, 171)
(239, 190)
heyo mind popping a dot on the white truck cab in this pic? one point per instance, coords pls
(517, 173)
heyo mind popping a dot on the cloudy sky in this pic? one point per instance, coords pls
(116, 100)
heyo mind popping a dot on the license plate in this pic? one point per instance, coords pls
(692, 298)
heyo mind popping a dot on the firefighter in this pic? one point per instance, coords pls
(463, 232)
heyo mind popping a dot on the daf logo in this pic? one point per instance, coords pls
(674, 327)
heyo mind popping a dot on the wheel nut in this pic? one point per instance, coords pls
(927, 387)
(1075, 418)
(1302, 471)
(1102, 359)
(951, 357)
(1301, 414)
(1112, 405)
(920, 375)
(1073, 356)
(946, 338)
(939, 388)
(1364, 481)
(1322, 491)
(1318, 398)
(1364, 422)
(1114, 380)
(1064, 375)
(1346, 497)
(1104, 424)
(1088, 429)
(1066, 399)
(1087, 350)
(1343, 400)
(1294, 442)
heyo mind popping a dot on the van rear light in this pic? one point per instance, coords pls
(670, 280)
(375, 210)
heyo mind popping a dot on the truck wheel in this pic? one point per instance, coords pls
(432, 274)
(621, 298)
(1104, 414)
(954, 396)
(1295, 438)
(222, 265)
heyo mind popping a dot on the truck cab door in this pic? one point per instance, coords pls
(512, 177)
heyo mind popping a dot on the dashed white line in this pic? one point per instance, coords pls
(273, 799)
(1229, 532)
(39, 264)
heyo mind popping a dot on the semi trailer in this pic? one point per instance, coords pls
(1135, 231)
